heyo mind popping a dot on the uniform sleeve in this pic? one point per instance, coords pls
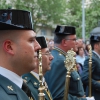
(85, 74)
(70, 97)
(56, 79)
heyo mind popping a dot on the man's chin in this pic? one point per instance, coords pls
(49, 68)
(34, 66)
(76, 49)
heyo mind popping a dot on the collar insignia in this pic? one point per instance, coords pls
(60, 54)
(10, 88)
(25, 77)
(30, 98)
(35, 83)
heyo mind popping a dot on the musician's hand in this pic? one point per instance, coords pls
(84, 96)
(90, 98)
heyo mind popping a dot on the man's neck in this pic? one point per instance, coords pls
(37, 71)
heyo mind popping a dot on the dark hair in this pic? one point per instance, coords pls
(59, 38)
(78, 50)
(93, 43)
(87, 49)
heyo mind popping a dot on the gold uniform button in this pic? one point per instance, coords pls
(78, 78)
(60, 54)
(25, 77)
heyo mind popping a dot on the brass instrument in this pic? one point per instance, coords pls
(69, 64)
(90, 71)
(41, 86)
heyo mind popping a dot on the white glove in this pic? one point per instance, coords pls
(90, 98)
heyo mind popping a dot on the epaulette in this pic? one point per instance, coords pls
(26, 79)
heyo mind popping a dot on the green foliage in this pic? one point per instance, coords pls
(68, 12)
(92, 16)
(53, 10)
(74, 15)
(4, 5)
(43, 11)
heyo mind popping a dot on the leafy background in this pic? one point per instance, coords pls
(49, 13)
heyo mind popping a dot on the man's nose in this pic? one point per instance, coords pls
(51, 57)
(38, 47)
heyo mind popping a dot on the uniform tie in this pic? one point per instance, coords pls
(26, 89)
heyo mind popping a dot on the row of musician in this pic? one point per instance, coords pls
(49, 80)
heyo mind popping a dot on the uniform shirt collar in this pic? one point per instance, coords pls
(96, 54)
(11, 76)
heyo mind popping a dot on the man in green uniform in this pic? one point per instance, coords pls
(95, 43)
(64, 40)
(17, 53)
(32, 78)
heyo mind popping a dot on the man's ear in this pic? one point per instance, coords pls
(8, 47)
(64, 42)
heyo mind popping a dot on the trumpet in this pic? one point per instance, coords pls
(69, 64)
(41, 89)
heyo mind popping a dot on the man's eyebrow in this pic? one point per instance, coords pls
(33, 37)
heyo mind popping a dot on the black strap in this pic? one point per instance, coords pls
(26, 89)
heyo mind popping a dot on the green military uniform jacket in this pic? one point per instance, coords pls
(10, 91)
(95, 75)
(33, 84)
(56, 77)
